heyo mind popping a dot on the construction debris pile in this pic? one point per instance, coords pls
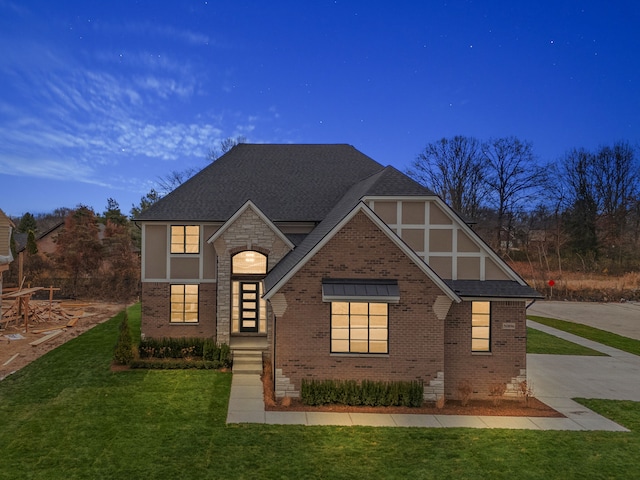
(21, 313)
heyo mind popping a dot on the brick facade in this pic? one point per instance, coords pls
(416, 335)
(156, 310)
(504, 364)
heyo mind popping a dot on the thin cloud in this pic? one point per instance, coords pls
(90, 121)
(51, 169)
(147, 29)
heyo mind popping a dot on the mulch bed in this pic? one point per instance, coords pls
(507, 408)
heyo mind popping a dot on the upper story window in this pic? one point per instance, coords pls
(481, 326)
(249, 262)
(185, 239)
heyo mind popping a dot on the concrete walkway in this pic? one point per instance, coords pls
(556, 380)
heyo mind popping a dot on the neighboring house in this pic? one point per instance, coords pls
(335, 267)
(46, 241)
(6, 226)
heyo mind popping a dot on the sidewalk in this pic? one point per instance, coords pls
(246, 402)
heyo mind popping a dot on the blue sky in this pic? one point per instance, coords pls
(100, 99)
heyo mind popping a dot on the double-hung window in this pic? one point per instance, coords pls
(184, 303)
(481, 326)
(185, 239)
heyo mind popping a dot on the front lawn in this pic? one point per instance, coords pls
(541, 342)
(67, 416)
(601, 336)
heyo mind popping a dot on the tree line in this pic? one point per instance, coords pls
(94, 255)
(581, 212)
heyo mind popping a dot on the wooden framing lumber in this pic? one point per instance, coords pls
(46, 338)
(48, 329)
(11, 360)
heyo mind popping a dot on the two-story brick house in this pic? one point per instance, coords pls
(335, 267)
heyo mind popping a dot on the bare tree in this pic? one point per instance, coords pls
(454, 169)
(512, 177)
(173, 180)
(581, 214)
(224, 146)
(616, 184)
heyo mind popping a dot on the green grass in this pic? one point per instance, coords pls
(626, 344)
(67, 416)
(541, 342)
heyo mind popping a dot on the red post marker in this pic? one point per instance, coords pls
(552, 283)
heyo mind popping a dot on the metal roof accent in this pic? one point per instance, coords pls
(359, 290)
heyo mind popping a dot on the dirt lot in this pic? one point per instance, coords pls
(91, 314)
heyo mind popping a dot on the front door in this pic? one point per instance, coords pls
(249, 306)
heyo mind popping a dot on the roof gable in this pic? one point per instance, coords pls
(5, 220)
(249, 205)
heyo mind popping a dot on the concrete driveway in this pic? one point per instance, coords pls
(620, 318)
(615, 377)
(557, 379)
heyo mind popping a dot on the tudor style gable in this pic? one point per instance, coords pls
(440, 237)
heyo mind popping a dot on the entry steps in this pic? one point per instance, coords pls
(247, 361)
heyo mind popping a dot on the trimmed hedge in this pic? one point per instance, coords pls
(367, 393)
(204, 349)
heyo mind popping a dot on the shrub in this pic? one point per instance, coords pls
(204, 349)
(525, 390)
(123, 352)
(464, 392)
(496, 391)
(367, 392)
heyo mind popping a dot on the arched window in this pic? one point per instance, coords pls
(248, 309)
(249, 263)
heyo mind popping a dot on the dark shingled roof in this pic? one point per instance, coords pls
(287, 183)
(492, 288)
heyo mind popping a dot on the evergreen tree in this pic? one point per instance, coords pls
(27, 223)
(113, 214)
(123, 352)
(32, 246)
